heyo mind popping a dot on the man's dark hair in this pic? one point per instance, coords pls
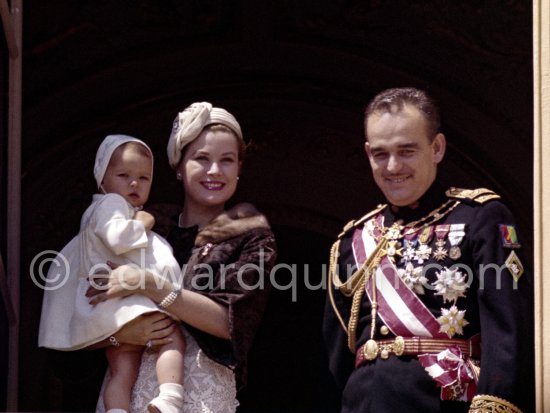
(393, 100)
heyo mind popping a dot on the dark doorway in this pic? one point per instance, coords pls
(297, 75)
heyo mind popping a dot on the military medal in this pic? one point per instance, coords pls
(451, 284)
(409, 253)
(393, 249)
(413, 277)
(441, 232)
(423, 251)
(452, 321)
(409, 243)
(393, 233)
(454, 252)
(394, 246)
(456, 234)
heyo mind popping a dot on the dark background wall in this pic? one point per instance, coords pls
(297, 75)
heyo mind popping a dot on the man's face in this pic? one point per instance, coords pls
(403, 161)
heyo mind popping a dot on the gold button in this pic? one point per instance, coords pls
(370, 350)
(384, 330)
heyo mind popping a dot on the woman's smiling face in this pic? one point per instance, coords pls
(210, 168)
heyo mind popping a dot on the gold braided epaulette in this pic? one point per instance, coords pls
(491, 404)
(356, 222)
(479, 195)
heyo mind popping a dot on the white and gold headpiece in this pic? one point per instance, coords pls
(190, 123)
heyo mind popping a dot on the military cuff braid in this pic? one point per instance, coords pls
(484, 403)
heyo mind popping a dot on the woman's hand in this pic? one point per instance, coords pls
(153, 327)
(123, 281)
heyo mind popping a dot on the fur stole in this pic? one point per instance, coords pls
(233, 222)
(241, 218)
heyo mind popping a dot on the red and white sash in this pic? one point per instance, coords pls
(398, 306)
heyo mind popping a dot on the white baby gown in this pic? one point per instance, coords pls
(69, 322)
(108, 233)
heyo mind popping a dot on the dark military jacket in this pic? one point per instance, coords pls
(497, 305)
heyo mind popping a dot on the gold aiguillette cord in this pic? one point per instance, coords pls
(355, 286)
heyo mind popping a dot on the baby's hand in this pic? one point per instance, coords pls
(146, 218)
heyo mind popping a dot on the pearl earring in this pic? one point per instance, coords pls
(178, 176)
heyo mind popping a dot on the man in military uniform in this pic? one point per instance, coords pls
(429, 304)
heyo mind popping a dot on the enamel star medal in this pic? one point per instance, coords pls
(456, 234)
(441, 232)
